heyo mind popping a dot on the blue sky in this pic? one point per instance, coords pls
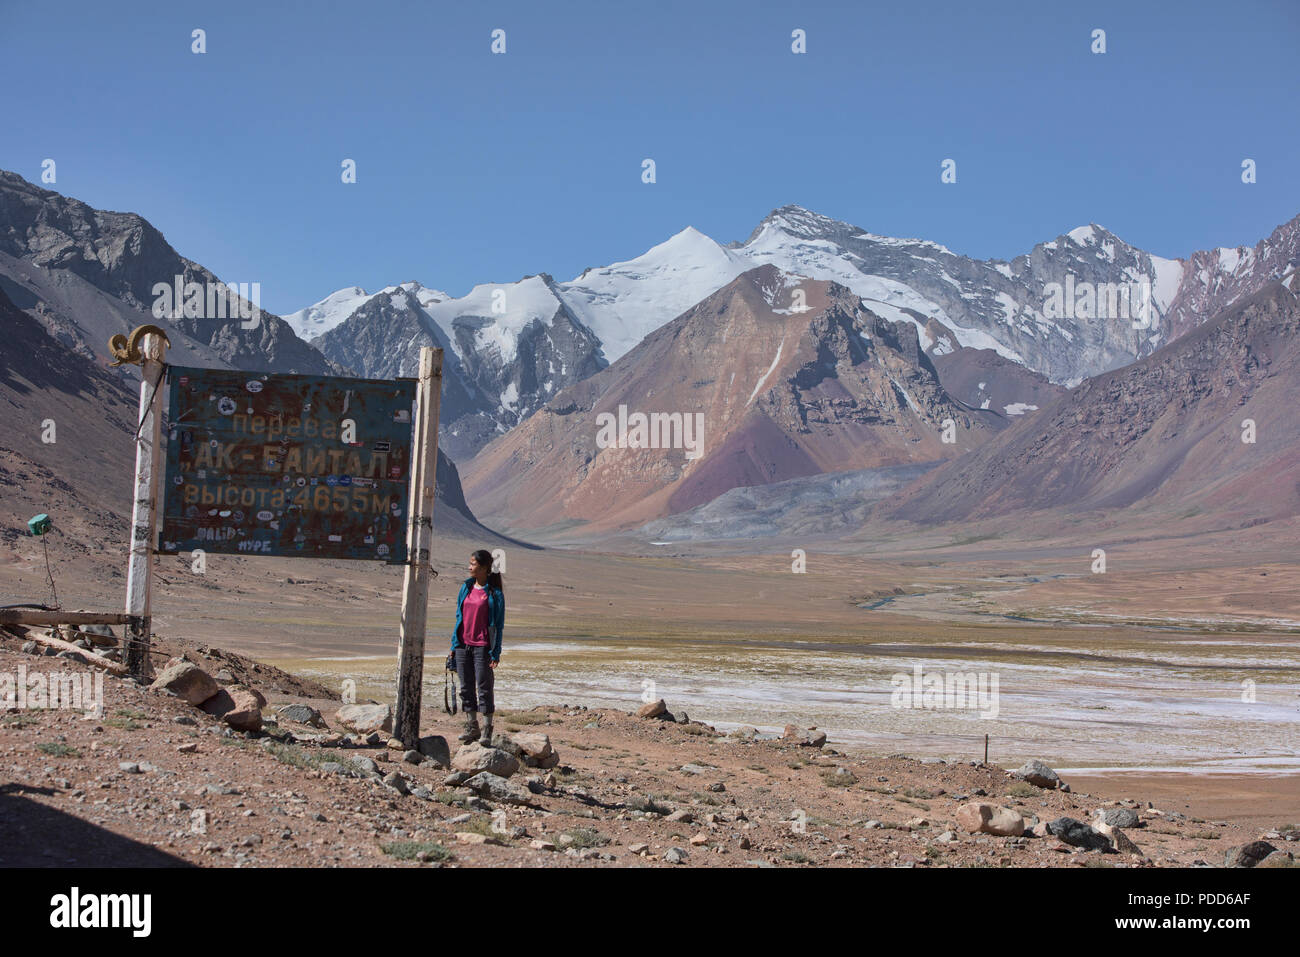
(474, 167)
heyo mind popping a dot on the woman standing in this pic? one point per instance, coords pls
(476, 643)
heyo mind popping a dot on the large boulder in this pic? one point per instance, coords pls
(493, 787)
(654, 709)
(977, 817)
(366, 718)
(474, 758)
(804, 737)
(1118, 817)
(1247, 855)
(302, 714)
(434, 747)
(187, 680)
(536, 750)
(1039, 774)
(239, 707)
(1078, 834)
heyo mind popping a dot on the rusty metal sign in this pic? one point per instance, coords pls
(308, 466)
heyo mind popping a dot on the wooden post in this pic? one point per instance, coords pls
(419, 542)
(148, 446)
(986, 749)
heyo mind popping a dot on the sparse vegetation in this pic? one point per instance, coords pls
(581, 837)
(796, 857)
(58, 749)
(1021, 789)
(835, 780)
(408, 850)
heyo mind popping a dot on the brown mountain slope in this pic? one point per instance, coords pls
(780, 394)
(1166, 430)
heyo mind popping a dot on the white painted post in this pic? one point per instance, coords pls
(148, 448)
(419, 543)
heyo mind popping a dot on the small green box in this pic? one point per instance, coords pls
(40, 524)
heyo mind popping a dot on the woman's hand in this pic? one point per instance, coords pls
(492, 665)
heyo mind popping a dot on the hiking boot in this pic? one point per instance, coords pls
(471, 728)
(486, 740)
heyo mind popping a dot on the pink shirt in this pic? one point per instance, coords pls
(474, 617)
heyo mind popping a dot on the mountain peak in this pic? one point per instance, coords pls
(797, 221)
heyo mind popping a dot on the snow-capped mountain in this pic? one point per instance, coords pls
(319, 318)
(507, 348)
(1010, 332)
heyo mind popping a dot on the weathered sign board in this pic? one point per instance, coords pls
(290, 465)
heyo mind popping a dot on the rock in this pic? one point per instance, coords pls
(745, 733)
(533, 744)
(683, 815)
(652, 710)
(804, 737)
(224, 676)
(302, 714)
(365, 764)
(538, 844)
(503, 743)
(474, 758)
(186, 680)
(1078, 834)
(456, 778)
(397, 782)
(699, 840)
(413, 757)
(1247, 855)
(31, 648)
(129, 767)
(977, 817)
(496, 788)
(1278, 859)
(101, 636)
(1118, 817)
(1122, 843)
(682, 718)
(1038, 774)
(675, 855)
(237, 707)
(472, 837)
(1039, 830)
(696, 769)
(638, 848)
(372, 739)
(367, 719)
(434, 747)
(947, 837)
(332, 767)
(187, 748)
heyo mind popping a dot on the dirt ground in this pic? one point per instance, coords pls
(119, 790)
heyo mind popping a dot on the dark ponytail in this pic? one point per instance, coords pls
(494, 579)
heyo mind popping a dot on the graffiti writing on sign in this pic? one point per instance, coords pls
(310, 466)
